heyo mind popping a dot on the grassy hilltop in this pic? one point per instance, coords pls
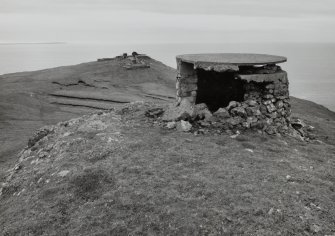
(120, 172)
(30, 100)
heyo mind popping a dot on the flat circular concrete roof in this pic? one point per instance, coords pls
(232, 58)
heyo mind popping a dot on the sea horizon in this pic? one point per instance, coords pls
(309, 65)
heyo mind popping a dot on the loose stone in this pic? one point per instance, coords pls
(171, 125)
(232, 105)
(201, 111)
(222, 113)
(239, 111)
(268, 96)
(252, 103)
(279, 104)
(185, 126)
(271, 108)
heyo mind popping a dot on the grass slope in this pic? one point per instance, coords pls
(121, 173)
(30, 100)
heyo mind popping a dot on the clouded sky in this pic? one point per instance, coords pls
(158, 21)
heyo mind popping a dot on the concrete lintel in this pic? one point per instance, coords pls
(275, 77)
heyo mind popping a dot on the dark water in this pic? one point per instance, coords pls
(310, 66)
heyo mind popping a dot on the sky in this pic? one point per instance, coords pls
(168, 21)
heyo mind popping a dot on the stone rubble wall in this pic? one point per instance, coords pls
(266, 106)
(186, 84)
(266, 102)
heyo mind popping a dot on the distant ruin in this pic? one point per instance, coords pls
(238, 90)
(130, 62)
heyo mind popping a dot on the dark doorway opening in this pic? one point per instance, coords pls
(217, 89)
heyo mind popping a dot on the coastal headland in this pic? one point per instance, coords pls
(80, 155)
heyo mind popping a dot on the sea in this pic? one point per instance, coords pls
(310, 66)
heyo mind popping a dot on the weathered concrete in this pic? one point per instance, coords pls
(278, 76)
(215, 67)
(237, 59)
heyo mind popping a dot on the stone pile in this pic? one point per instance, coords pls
(236, 117)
